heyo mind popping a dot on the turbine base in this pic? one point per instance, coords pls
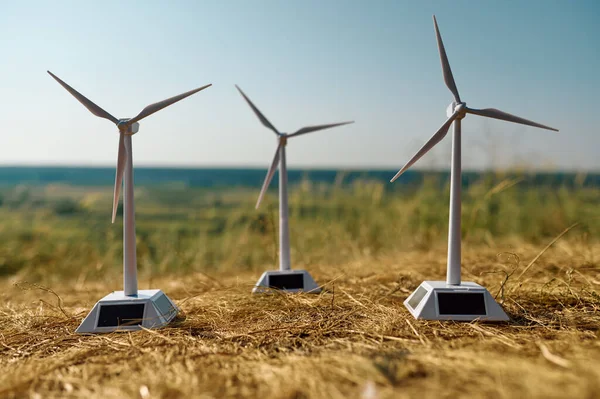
(437, 300)
(119, 312)
(286, 281)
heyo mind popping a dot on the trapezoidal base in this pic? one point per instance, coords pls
(437, 300)
(287, 281)
(119, 312)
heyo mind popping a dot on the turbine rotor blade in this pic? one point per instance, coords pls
(309, 129)
(436, 138)
(152, 108)
(121, 158)
(269, 176)
(261, 117)
(93, 108)
(497, 114)
(448, 78)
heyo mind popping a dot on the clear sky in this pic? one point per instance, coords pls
(302, 63)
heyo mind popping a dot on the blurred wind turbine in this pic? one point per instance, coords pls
(421, 302)
(124, 175)
(284, 279)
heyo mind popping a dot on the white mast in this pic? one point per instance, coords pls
(284, 228)
(130, 283)
(454, 231)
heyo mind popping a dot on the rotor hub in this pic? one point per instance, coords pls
(461, 108)
(283, 139)
(128, 129)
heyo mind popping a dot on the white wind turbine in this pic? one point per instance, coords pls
(130, 308)
(284, 279)
(453, 299)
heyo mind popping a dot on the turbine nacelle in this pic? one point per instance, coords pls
(127, 128)
(460, 108)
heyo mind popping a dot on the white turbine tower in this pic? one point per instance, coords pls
(453, 299)
(285, 278)
(130, 308)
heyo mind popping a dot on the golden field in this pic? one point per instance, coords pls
(535, 248)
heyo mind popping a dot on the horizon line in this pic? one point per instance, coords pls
(340, 168)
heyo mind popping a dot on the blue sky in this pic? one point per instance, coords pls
(302, 63)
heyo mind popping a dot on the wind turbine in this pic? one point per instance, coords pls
(284, 279)
(453, 299)
(130, 308)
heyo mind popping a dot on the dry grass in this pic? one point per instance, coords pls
(355, 340)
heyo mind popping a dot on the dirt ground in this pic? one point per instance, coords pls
(355, 340)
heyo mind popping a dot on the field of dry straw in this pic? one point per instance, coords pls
(355, 340)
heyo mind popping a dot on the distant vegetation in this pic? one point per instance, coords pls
(58, 231)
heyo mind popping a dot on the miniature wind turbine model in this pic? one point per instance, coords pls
(454, 299)
(128, 309)
(285, 278)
